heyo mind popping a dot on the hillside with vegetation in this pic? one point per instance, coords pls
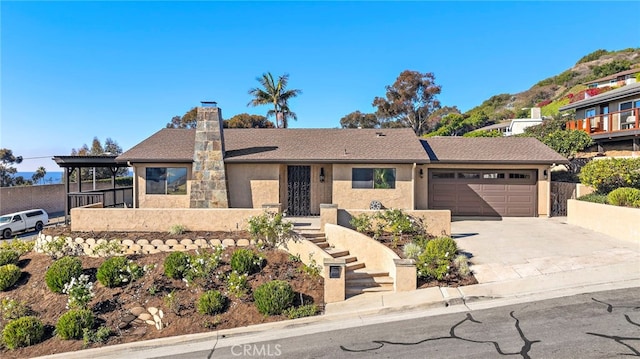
(549, 94)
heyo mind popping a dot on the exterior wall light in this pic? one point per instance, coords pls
(421, 172)
(321, 174)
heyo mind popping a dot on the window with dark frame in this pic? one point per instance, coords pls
(166, 180)
(373, 178)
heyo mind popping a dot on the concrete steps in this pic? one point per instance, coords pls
(358, 279)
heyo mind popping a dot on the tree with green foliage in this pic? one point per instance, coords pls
(110, 148)
(39, 175)
(188, 120)
(479, 133)
(245, 120)
(410, 101)
(7, 160)
(276, 94)
(592, 56)
(553, 133)
(358, 119)
(456, 124)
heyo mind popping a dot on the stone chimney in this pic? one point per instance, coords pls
(209, 183)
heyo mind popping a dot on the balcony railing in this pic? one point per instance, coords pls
(615, 122)
(115, 197)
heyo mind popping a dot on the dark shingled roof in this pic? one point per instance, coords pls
(490, 150)
(288, 145)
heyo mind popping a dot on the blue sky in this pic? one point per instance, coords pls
(74, 70)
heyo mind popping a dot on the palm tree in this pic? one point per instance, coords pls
(39, 175)
(276, 94)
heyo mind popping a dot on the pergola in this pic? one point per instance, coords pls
(113, 197)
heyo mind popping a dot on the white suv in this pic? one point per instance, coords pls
(23, 221)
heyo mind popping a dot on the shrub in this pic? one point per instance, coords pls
(9, 275)
(176, 264)
(312, 269)
(302, 311)
(72, 324)
(12, 309)
(461, 262)
(212, 302)
(237, 284)
(435, 261)
(594, 198)
(21, 247)
(23, 332)
(271, 229)
(245, 261)
(411, 250)
(397, 222)
(177, 229)
(61, 272)
(101, 335)
(9, 256)
(361, 223)
(608, 174)
(116, 271)
(202, 264)
(80, 291)
(273, 297)
(58, 247)
(108, 249)
(628, 197)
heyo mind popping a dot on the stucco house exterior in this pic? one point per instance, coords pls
(300, 169)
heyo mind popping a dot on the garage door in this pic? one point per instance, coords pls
(504, 193)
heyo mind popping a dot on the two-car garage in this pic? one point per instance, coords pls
(493, 192)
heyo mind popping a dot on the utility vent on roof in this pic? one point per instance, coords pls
(380, 134)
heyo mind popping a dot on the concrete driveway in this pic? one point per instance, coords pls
(512, 248)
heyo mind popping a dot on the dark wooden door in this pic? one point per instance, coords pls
(299, 190)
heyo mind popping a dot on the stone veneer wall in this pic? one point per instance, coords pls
(209, 183)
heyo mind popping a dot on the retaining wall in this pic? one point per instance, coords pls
(618, 222)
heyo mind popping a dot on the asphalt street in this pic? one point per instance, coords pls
(595, 325)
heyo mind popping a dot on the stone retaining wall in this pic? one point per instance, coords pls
(144, 246)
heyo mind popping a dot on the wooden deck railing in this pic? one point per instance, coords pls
(614, 122)
(113, 197)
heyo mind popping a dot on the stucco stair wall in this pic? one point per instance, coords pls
(358, 278)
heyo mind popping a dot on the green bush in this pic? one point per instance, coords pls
(116, 271)
(202, 264)
(361, 223)
(212, 302)
(72, 324)
(9, 256)
(21, 247)
(411, 250)
(461, 262)
(245, 261)
(594, 198)
(23, 332)
(302, 311)
(11, 309)
(273, 297)
(435, 261)
(61, 271)
(176, 265)
(9, 275)
(627, 197)
(237, 284)
(271, 229)
(608, 174)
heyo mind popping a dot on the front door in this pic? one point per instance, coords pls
(299, 190)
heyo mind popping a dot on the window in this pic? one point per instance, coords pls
(34, 213)
(492, 175)
(468, 174)
(519, 175)
(171, 180)
(377, 178)
(443, 175)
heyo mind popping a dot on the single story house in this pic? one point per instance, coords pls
(300, 169)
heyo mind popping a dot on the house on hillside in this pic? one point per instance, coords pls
(616, 80)
(515, 126)
(300, 169)
(610, 118)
